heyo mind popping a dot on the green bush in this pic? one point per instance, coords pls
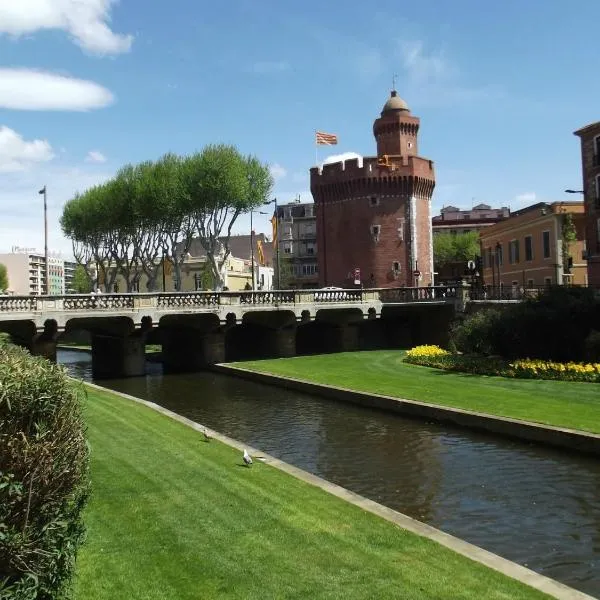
(44, 481)
(553, 326)
(592, 346)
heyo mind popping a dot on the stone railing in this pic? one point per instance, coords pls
(417, 294)
(18, 303)
(187, 300)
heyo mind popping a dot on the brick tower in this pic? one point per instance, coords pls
(374, 214)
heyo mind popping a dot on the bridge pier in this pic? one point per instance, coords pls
(189, 350)
(118, 356)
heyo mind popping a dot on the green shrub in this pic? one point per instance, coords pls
(44, 480)
(592, 346)
(553, 326)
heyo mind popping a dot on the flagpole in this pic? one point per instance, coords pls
(316, 150)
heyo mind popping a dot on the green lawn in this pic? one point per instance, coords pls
(564, 404)
(150, 348)
(172, 516)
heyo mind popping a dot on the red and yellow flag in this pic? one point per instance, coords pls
(261, 253)
(274, 226)
(326, 139)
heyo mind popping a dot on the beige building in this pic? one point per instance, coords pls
(454, 220)
(525, 250)
(237, 274)
(297, 227)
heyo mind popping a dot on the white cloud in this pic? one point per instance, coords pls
(526, 198)
(16, 154)
(422, 68)
(85, 20)
(277, 171)
(343, 157)
(22, 209)
(26, 89)
(93, 156)
(270, 67)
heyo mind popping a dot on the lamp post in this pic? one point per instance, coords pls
(498, 257)
(260, 212)
(46, 279)
(164, 252)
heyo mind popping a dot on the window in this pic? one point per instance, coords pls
(547, 281)
(597, 150)
(530, 283)
(500, 254)
(546, 243)
(375, 232)
(528, 248)
(310, 249)
(489, 261)
(597, 203)
(598, 231)
(396, 266)
(513, 251)
(374, 201)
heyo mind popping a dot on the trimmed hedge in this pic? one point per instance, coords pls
(44, 481)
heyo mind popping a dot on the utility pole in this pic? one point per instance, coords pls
(46, 278)
(252, 247)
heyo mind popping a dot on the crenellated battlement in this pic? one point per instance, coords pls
(372, 167)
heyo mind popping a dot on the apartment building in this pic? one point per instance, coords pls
(526, 249)
(590, 163)
(297, 233)
(26, 272)
(454, 220)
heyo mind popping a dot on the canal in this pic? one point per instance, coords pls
(534, 505)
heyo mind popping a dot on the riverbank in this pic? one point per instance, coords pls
(173, 516)
(556, 403)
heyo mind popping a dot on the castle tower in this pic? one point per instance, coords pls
(374, 214)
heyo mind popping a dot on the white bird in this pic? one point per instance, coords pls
(206, 436)
(247, 458)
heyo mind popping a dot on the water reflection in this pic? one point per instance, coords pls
(537, 506)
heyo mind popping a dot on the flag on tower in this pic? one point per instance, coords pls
(326, 139)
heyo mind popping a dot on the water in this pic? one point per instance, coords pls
(534, 505)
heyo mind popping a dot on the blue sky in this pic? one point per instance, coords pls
(88, 85)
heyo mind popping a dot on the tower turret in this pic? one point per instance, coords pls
(396, 129)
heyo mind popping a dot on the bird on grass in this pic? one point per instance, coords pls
(207, 437)
(247, 458)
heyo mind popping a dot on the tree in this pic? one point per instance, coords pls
(222, 185)
(3, 277)
(569, 236)
(455, 248)
(82, 283)
(285, 273)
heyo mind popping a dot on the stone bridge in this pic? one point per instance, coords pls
(201, 328)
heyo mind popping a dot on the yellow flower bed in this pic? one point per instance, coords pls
(438, 358)
(426, 351)
(537, 368)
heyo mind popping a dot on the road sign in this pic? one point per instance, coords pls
(417, 273)
(471, 265)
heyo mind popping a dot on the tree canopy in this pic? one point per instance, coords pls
(3, 277)
(155, 209)
(453, 248)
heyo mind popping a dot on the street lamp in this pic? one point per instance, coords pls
(260, 212)
(43, 192)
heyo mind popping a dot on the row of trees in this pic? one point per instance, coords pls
(155, 209)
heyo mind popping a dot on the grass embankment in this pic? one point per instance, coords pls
(558, 403)
(150, 348)
(172, 516)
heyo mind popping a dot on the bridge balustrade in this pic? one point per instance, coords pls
(18, 303)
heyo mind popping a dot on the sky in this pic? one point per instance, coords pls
(87, 86)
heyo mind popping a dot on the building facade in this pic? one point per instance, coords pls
(26, 273)
(590, 163)
(453, 220)
(374, 214)
(298, 250)
(526, 249)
